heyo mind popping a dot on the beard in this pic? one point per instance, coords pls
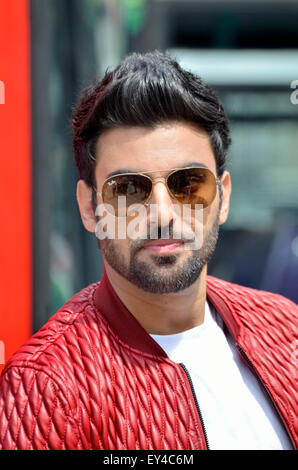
(165, 274)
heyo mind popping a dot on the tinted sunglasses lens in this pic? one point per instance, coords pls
(193, 186)
(135, 188)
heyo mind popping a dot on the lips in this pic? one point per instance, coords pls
(161, 246)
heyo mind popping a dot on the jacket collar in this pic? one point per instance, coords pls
(129, 329)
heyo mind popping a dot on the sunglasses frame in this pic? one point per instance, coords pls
(164, 180)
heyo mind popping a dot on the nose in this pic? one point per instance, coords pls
(160, 204)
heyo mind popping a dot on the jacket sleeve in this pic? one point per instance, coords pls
(34, 412)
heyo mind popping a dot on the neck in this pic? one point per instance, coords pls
(180, 311)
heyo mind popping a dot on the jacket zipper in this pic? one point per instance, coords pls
(243, 353)
(196, 403)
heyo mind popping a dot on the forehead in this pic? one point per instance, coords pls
(167, 146)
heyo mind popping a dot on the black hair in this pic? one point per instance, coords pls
(147, 89)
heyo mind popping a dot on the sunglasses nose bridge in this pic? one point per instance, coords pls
(159, 180)
(155, 181)
(160, 196)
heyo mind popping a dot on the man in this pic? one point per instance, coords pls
(157, 355)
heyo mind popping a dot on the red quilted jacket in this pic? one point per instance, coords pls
(92, 378)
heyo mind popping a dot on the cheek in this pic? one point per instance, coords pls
(116, 252)
(122, 246)
(209, 216)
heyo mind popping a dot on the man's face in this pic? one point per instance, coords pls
(150, 267)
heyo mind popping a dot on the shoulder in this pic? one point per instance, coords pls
(263, 311)
(58, 344)
(247, 295)
(42, 382)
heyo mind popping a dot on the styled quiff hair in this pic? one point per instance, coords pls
(146, 90)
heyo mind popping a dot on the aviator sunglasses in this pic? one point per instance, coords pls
(190, 185)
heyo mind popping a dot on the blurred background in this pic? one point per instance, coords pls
(50, 49)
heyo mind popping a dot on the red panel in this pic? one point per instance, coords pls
(15, 176)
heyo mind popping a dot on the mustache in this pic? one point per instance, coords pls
(165, 232)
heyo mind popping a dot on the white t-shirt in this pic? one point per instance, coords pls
(237, 413)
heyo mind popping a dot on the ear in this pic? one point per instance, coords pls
(84, 198)
(226, 194)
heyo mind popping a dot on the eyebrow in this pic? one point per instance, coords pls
(129, 170)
